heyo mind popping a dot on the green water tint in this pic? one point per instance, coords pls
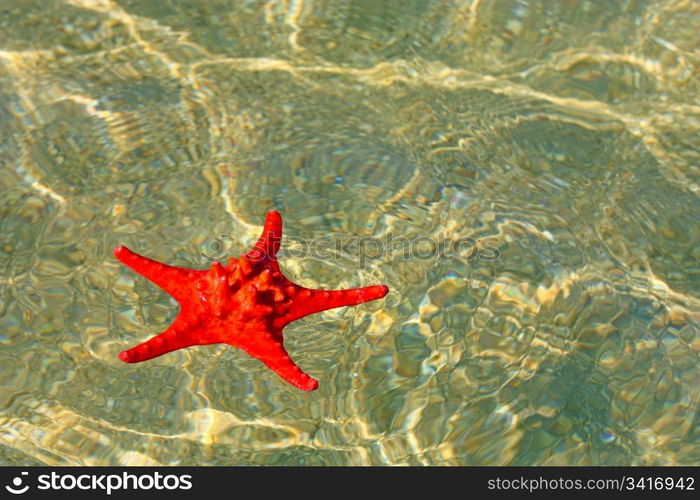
(562, 134)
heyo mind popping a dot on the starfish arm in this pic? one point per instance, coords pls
(276, 358)
(314, 301)
(269, 242)
(175, 337)
(173, 280)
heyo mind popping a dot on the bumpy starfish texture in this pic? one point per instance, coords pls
(245, 304)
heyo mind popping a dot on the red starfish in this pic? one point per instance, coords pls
(245, 304)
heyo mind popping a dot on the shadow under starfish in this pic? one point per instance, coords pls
(245, 304)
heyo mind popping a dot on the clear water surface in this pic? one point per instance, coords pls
(559, 139)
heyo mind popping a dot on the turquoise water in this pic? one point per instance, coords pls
(556, 142)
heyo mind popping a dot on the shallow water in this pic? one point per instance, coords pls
(557, 142)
